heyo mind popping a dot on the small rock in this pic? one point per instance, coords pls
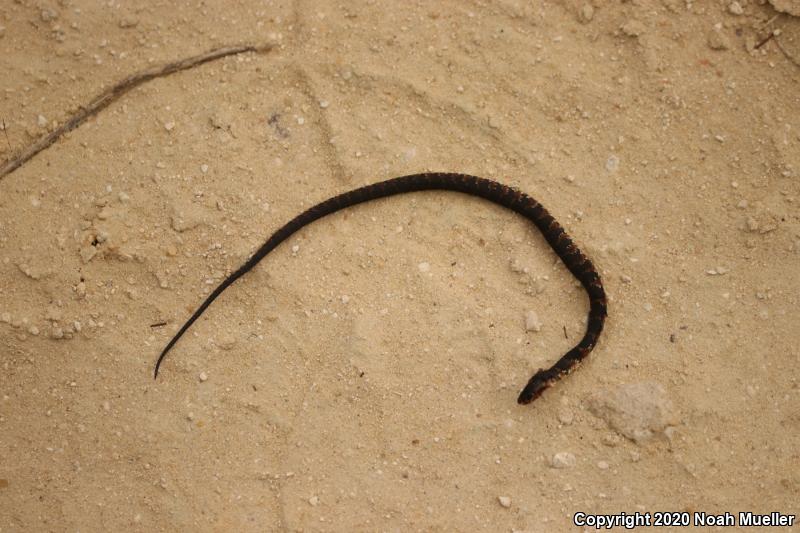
(48, 15)
(128, 22)
(313, 501)
(633, 28)
(717, 40)
(88, 253)
(424, 267)
(203, 377)
(587, 13)
(565, 416)
(33, 330)
(221, 119)
(226, 343)
(324, 104)
(602, 465)
(735, 8)
(505, 501)
(204, 168)
(5, 317)
(563, 460)
(169, 126)
(637, 411)
(532, 322)
(612, 163)
(181, 222)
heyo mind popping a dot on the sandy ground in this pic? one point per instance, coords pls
(364, 377)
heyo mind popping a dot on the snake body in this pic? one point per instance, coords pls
(508, 197)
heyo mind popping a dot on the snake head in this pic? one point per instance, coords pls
(535, 387)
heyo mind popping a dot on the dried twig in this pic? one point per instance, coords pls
(764, 41)
(103, 99)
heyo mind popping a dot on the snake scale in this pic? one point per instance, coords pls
(508, 197)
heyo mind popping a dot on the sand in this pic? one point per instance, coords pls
(363, 377)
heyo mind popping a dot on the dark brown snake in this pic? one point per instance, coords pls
(519, 202)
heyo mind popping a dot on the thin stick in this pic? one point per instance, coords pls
(764, 41)
(103, 99)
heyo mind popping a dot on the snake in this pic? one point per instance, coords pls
(509, 197)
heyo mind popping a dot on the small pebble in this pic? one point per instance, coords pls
(345, 299)
(717, 40)
(41, 121)
(324, 104)
(5, 317)
(203, 168)
(169, 126)
(638, 411)
(563, 460)
(48, 14)
(226, 342)
(313, 501)
(633, 28)
(33, 330)
(128, 22)
(736, 8)
(532, 322)
(295, 248)
(424, 267)
(602, 465)
(203, 377)
(505, 501)
(612, 163)
(587, 13)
